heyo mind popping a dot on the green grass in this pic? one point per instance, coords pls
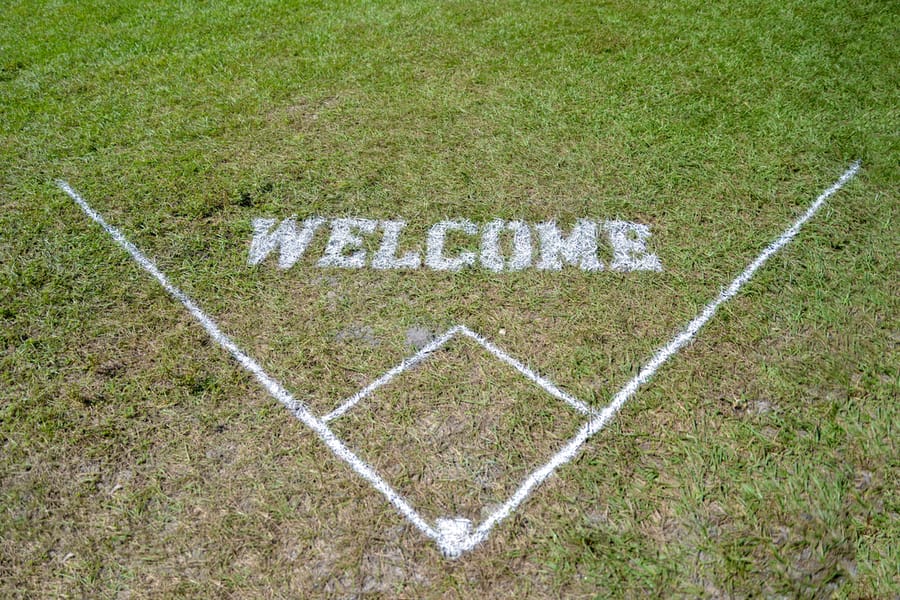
(139, 461)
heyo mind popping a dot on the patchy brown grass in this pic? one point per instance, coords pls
(139, 462)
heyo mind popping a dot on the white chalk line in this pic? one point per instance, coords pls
(407, 363)
(275, 389)
(546, 384)
(455, 541)
(437, 343)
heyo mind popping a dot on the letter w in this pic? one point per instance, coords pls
(291, 243)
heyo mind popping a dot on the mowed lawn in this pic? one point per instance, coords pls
(139, 460)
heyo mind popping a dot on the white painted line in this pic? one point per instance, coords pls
(407, 363)
(418, 357)
(275, 389)
(546, 384)
(570, 450)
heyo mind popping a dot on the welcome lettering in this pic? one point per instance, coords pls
(497, 246)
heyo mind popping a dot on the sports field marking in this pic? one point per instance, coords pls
(455, 535)
(426, 351)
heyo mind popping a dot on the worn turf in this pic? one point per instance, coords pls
(139, 461)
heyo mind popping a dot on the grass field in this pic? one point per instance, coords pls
(139, 460)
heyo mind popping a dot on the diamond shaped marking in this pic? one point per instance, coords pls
(439, 342)
(456, 535)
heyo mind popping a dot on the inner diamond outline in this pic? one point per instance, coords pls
(439, 342)
(456, 535)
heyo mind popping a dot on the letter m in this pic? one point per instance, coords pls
(579, 248)
(291, 243)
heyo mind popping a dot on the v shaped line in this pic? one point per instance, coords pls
(455, 536)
